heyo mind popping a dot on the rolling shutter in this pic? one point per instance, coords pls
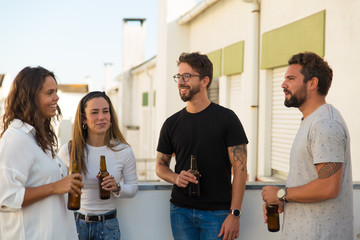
(213, 91)
(235, 96)
(284, 125)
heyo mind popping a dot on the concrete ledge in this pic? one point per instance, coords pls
(143, 186)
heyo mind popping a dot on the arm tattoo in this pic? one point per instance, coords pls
(328, 170)
(239, 156)
(164, 159)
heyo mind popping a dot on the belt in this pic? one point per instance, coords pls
(95, 218)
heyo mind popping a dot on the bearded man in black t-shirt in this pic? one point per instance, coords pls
(215, 136)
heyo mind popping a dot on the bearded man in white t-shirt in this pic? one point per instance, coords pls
(318, 198)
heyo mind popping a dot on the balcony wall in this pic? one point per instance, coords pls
(146, 216)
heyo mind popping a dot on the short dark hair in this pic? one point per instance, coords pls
(314, 66)
(200, 62)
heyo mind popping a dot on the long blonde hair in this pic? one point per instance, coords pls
(77, 146)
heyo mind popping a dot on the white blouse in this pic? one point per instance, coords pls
(23, 164)
(120, 164)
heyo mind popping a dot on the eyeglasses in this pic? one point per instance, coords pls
(185, 77)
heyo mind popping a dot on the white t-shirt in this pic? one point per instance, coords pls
(322, 137)
(23, 164)
(120, 164)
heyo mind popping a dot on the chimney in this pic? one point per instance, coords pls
(133, 49)
(109, 80)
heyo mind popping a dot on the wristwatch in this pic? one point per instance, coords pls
(236, 212)
(118, 187)
(281, 194)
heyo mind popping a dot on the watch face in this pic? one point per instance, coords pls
(236, 212)
(281, 193)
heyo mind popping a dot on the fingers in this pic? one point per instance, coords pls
(109, 183)
(76, 176)
(265, 213)
(76, 184)
(184, 178)
(221, 231)
(281, 208)
(109, 177)
(269, 195)
(229, 235)
(76, 190)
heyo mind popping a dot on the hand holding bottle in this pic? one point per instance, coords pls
(109, 184)
(194, 188)
(69, 184)
(103, 194)
(271, 216)
(184, 178)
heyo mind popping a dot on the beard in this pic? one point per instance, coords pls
(297, 99)
(192, 92)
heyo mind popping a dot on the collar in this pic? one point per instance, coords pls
(27, 128)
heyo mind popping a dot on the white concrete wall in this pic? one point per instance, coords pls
(227, 22)
(172, 40)
(133, 48)
(146, 216)
(147, 113)
(221, 25)
(68, 103)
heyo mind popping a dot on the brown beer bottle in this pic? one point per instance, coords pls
(273, 218)
(74, 201)
(103, 194)
(194, 189)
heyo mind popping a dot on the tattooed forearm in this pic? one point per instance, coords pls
(239, 156)
(328, 170)
(163, 159)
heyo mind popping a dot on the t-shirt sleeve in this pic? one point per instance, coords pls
(64, 154)
(164, 144)
(235, 134)
(328, 141)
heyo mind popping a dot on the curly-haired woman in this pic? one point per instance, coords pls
(33, 179)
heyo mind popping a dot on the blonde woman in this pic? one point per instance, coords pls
(95, 133)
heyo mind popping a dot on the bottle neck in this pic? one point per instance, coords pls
(75, 167)
(193, 163)
(103, 164)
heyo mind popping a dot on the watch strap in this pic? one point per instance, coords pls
(283, 198)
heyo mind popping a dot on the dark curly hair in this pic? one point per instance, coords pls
(21, 103)
(314, 66)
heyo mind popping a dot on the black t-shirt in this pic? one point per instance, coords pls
(207, 135)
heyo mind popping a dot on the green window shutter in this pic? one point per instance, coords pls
(234, 59)
(145, 99)
(307, 34)
(215, 58)
(154, 98)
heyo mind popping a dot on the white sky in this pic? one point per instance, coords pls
(72, 38)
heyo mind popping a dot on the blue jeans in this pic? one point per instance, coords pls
(193, 224)
(108, 229)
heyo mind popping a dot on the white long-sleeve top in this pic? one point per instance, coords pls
(120, 164)
(23, 164)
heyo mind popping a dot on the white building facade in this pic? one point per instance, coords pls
(249, 43)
